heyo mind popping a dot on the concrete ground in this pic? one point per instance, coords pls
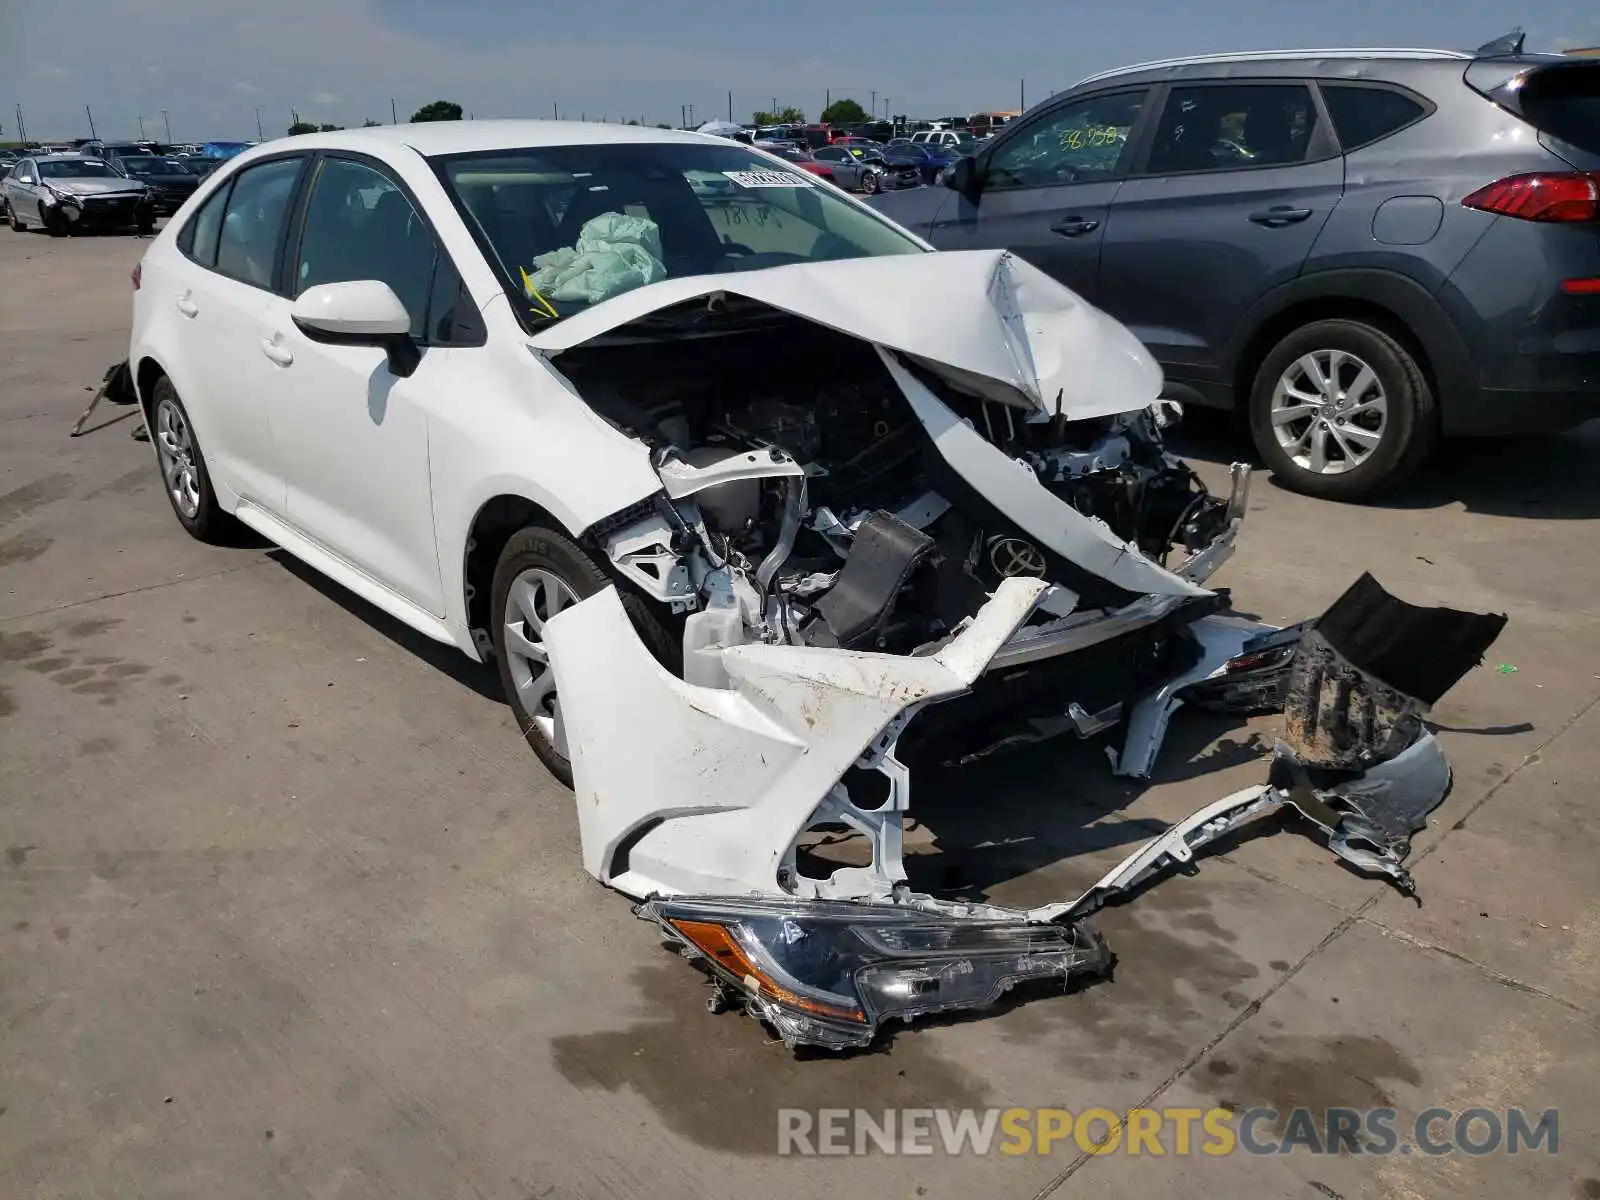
(286, 908)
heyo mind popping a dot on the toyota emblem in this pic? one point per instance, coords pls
(1012, 558)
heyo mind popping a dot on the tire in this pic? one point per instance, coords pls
(1389, 428)
(539, 560)
(193, 500)
(17, 223)
(54, 223)
(870, 184)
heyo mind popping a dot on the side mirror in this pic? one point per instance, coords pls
(364, 312)
(961, 176)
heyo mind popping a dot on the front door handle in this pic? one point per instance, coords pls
(1279, 216)
(1074, 227)
(277, 351)
(187, 306)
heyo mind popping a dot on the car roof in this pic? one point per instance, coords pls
(465, 137)
(66, 158)
(1240, 58)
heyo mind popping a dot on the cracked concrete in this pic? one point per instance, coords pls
(287, 909)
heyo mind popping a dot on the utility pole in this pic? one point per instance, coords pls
(874, 109)
(683, 116)
(168, 123)
(554, 111)
(90, 115)
(259, 135)
(730, 110)
(141, 125)
(885, 110)
(394, 113)
(1022, 94)
(691, 115)
(22, 129)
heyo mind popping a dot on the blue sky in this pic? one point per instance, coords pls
(212, 63)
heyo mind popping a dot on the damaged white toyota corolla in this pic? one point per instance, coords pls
(752, 498)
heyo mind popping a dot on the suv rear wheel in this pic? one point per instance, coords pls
(1341, 410)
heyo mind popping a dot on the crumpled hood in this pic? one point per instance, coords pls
(94, 187)
(985, 316)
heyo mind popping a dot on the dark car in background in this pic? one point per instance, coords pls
(169, 181)
(1360, 251)
(927, 160)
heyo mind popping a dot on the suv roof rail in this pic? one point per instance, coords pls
(1272, 56)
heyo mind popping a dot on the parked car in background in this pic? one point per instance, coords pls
(1361, 251)
(169, 181)
(804, 160)
(927, 159)
(943, 137)
(866, 168)
(70, 192)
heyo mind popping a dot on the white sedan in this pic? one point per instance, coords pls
(734, 480)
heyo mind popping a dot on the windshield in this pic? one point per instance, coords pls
(570, 226)
(76, 168)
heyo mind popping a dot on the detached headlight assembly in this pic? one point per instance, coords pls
(829, 973)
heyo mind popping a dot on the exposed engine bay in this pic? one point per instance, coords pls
(802, 486)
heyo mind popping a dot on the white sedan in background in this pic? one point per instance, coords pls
(735, 481)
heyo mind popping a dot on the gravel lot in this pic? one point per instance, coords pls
(287, 909)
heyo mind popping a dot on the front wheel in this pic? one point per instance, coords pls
(870, 184)
(53, 220)
(1342, 411)
(541, 572)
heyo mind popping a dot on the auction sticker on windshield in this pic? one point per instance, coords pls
(768, 179)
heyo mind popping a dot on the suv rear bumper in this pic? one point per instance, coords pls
(1480, 412)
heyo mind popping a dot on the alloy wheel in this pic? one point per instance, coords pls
(1329, 412)
(175, 449)
(536, 595)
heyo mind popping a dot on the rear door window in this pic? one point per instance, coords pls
(252, 225)
(198, 237)
(1363, 115)
(1232, 127)
(1564, 102)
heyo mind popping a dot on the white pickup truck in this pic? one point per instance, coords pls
(942, 137)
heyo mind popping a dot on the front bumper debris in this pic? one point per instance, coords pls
(691, 799)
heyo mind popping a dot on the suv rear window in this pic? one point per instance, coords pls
(1363, 115)
(1565, 103)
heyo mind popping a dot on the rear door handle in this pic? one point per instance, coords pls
(187, 306)
(1279, 215)
(1074, 227)
(277, 351)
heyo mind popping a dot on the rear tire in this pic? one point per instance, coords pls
(16, 222)
(539, 573)
(184, 475)
(1341, 410)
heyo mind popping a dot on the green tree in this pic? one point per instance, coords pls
(329, 128)
(784, 116)
(369, 123)
(844, 112)
(302, 127)
(438, 110)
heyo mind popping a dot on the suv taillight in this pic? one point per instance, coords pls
(138, 274)
(1564, 197)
